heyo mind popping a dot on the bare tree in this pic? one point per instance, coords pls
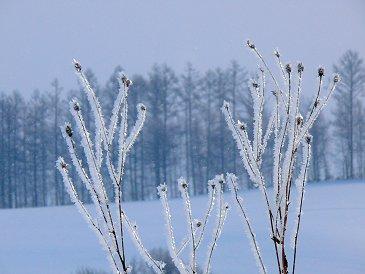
(319, 169)
(348, 118)
(290, 132)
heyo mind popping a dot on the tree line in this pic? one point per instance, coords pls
(184, 135)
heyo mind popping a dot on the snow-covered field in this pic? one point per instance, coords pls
(56, 240)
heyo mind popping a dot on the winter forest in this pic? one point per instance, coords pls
(182, 137)
(187, 136)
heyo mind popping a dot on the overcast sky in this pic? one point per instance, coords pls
(39, 38)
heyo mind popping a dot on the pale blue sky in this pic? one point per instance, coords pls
(39, 38)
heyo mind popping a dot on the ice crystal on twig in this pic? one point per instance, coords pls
(291, 130)
(108, 227)
(195, 228)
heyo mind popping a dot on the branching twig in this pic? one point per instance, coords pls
(112, 239)
(195, 228)
(290, 131)
(232, 182)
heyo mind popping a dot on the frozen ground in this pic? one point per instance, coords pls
(56, 240)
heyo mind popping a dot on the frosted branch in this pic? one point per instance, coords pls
(93, 179)
(301, 181)
(222, 211)
(162, 191)
(232, 183)
(290, 130)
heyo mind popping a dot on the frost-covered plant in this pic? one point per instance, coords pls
(110, 228)
(139, 266)
(195, 228)
(290, 132)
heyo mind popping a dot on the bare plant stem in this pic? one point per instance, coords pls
(221, 217)
(253, 237)
(92, 222)
(260, 180)
(300, 208)
(112, 231)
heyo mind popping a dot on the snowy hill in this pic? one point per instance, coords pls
(57, 241)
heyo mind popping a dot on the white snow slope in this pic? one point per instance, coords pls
(56, 240)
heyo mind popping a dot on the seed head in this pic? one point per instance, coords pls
(162, 188)
(68, 130)
(288, 68)
(77, 66)
(336, 78)
(255, 84)
(300, 67)
(76, 106)
(143, 107)
(277, 53)
(211, 184)
(198, 223)
(308, 139)
(320, 71)
(184, 184)
(127, 82)
(241, 125)
(299, 120)
(226, 105)
(250, 45)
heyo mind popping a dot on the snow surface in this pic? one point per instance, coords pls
(57, 240)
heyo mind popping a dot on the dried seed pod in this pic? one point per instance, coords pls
(308, 139)
(288, 68)
(184, 184)
(250, 45)
(320, 71)
(127, 82)
(336, 78)
(163, 188)
(198, 223)
(77, 66)
(68, 130)
(277, 53)
(76, 106)
(299, 120)
(255, 84)
(300, 67)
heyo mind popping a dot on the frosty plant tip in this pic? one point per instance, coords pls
(195, 228)
(98, 151)
(291, 131)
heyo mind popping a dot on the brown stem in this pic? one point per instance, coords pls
(300, 209)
